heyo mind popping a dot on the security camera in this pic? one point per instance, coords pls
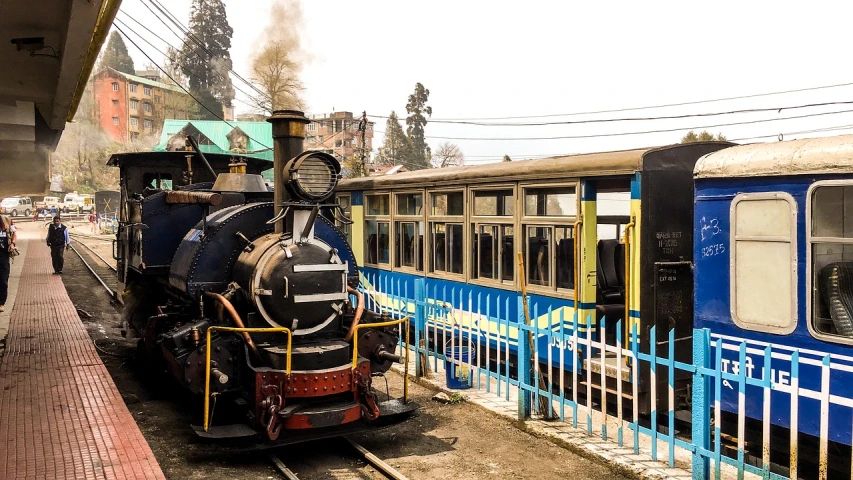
(30, 44)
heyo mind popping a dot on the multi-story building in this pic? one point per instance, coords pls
(129, 106)
(338, 133)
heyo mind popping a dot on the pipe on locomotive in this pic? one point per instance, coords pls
(288, 133)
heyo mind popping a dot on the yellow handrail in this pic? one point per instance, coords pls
(239, 330)
(374, 325)
(577, 230)
(627, 241)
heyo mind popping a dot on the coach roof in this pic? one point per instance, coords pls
(824, 155)
(599, 164)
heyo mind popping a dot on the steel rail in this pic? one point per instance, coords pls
(97, 255)
(288, 473)
(92, 271)
(377, 463)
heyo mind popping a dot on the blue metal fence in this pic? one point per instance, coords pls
(570, 357)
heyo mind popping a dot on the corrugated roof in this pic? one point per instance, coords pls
(797, 157)
(260, 135)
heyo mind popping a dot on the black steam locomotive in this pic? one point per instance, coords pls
(247, 294)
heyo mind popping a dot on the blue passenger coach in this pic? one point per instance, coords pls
(773, 257)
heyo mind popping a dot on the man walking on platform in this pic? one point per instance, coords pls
(58, 241)
(7, 244)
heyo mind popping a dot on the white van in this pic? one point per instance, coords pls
(72, 202)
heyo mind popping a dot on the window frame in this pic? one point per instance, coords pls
(114, 86)
(548, 221)
(793, 211)
(417, 219)
(825, 337)
(146, 90)
(474, 223)
(347, 213)
(133, 87)
(134, 104)
(388, 218)
(445, 219)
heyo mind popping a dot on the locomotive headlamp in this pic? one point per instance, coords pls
(312, 175)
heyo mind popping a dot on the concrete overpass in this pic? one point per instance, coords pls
(47, 51)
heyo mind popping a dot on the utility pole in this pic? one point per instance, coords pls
(362, 126)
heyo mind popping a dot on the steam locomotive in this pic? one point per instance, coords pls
(249, 296)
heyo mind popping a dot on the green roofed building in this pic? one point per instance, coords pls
(241, 139)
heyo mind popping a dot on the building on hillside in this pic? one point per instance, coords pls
(338, 133)
(132, 106)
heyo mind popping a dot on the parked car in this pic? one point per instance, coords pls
(46, 203)
(71, 203)
(88, 203)
(15, 206)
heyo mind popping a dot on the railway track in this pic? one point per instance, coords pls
(102, 269)
(382, 467)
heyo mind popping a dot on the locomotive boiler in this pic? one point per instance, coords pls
(248, 296)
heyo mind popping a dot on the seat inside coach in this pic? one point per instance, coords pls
(610, 277)
(836, 285)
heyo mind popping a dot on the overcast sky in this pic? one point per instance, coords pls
(502, 59)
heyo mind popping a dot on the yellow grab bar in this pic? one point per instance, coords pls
(376, 325)
(239, 330)
(577, 229)
(627, 241)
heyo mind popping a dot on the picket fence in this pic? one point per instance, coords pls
(446, 318)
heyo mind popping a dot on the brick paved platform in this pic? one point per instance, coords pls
(61, 415)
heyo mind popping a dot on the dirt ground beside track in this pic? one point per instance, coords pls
(459, 441)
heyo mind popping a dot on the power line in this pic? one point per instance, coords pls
(632, 119)
(651, 107)
(620, 134)
(801, 132)
(165, 55)
(186, 31)
(184, 89)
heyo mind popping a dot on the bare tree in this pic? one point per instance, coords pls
(448, 155)
(275, 74)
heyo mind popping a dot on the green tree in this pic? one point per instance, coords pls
(397, 148)
(415, 123)
(115, 55)
(702, 136)
(205, 57)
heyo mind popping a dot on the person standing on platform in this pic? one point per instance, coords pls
(8, 237)
(58, 241)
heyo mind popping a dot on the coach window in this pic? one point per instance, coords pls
(763, 262)
(830, 242)
(446, 230)
(377, 227)
(493, 235)
(548, 217)
(408, 231)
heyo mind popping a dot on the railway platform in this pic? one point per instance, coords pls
(61, 415)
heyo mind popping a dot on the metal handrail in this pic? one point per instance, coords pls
(627, 242)
(406, 354)
(238, 330)
(374, 325)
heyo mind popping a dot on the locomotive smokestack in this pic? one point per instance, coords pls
(288, 133)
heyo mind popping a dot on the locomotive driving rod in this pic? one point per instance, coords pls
(235, 317)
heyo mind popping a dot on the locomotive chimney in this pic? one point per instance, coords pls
(288, 132)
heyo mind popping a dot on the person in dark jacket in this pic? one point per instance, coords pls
(7, 244)
(58, 241)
